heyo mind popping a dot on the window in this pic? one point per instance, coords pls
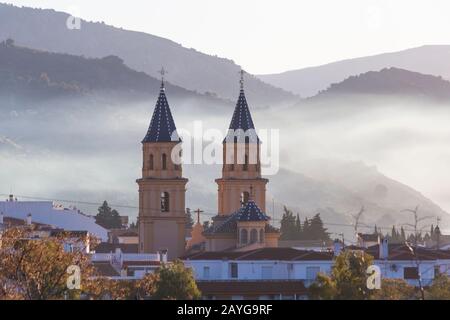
(245, 196)
(164, 201)
(266, 273)
(68, 247)
(253, 236)
(151, 162)
(164, 161)
(234, 270)
(244, 236)
(410, 273)
(246, 163)
(261, 235)
(205, 272)
(437, 271)
(311, 272)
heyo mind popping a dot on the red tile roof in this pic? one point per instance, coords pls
(264, 287)
(399, 252)
(140, 263)
(105, 269)
(280, 254)
(106, 247)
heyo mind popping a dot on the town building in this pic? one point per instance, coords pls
(162, 188)
(52, 214)
(241, 223)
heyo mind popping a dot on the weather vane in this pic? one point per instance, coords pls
(242, 72)
(162, 72)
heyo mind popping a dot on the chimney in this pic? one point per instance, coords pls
(29, 220)
(383, 249)
(437, 232)
(163, 256)
(337, 247)
(1, 218)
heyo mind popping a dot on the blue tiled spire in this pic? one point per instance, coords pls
(162, 127)
(242, 119)
(251, 212)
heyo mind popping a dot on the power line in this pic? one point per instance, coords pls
(182, 211)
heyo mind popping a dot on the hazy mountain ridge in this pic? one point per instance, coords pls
(430, 59)
(392, 81)
(102, 107)
(34, 76)
(188, 68)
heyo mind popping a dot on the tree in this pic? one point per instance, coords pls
(170, 282)
(37, 269)
(316, 229)
(298, 228)
(189, 220)
(101, 288)
(9, 42)
(107, 218)
(395, 289)
(287, 229)
(306, 232)
(402, 234)
(440, 289)
(348, 279)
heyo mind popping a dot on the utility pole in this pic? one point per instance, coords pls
(273, 209)
(356, 217)
(343, 240)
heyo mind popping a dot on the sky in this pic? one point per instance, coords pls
(268, 36)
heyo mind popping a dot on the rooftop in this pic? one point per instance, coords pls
(162, 126)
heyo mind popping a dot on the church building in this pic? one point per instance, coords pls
(162, 188)
(241, 223)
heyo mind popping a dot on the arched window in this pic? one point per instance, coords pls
(164, 161)
(164, 201)
(244, 236)
(246, 163)
(253, 236)
(261, 235)
(245, 196)
(151, 162)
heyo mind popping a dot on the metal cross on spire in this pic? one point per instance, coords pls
(162, 72)
(241, 81)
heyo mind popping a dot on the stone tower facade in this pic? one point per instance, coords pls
(162, 188)
(241, 172)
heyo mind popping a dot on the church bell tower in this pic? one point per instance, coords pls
(241, 171)
(162, 188)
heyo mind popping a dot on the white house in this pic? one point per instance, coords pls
(218, 272)
(46, 212)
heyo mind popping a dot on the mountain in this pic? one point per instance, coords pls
(392, 82)
(430, 59)
(46, 30)
(37, 77)
(71, 129)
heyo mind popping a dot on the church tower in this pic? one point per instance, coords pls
(241, 172)
(162, 188)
